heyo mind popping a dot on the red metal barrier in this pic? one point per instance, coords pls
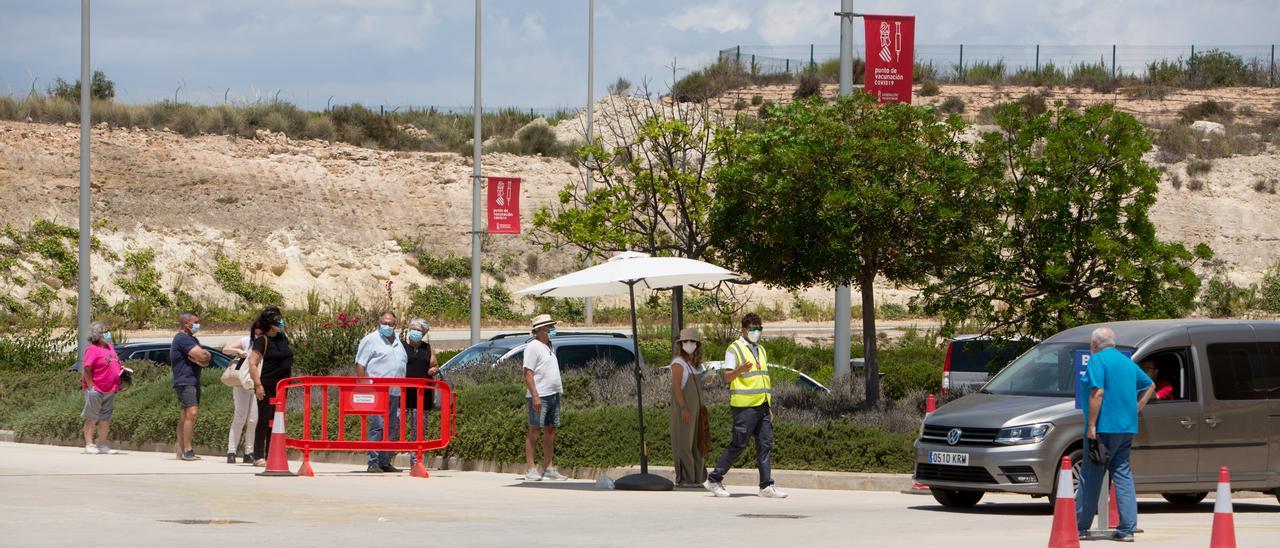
(365, 397)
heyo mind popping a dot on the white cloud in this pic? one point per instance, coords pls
(723, 16)
(534, 25)
(789, 22)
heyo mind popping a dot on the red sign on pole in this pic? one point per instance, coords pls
(890, 56)
(504, 205)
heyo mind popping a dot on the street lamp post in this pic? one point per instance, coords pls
(83, 306)
(476, 152)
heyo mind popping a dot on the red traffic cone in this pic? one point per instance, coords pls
(277, 455)
(1224, 527)
(1064, 533)
(930, 406)
(1113, 516)
(418, 470)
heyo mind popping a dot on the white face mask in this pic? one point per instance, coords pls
(689, 347)
(753, 336)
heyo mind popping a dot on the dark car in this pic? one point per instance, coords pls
(573, 350)
(159, 352)
(972, 359)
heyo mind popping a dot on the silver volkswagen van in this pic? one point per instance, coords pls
(1222, 408)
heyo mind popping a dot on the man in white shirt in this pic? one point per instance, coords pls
(381, 354)
(542, 397)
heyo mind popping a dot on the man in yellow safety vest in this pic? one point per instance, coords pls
(747, 372)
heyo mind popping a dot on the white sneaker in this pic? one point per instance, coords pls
(717, 489)
(772, 492)
(554, 475)
(90, 449)
(533, 475)
(107, 450)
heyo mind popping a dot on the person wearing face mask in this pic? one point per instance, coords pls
(244, 420)
(270, 361)
(100, 379)
(187, 358)
(686, 398)
(750, 395)
(421, 364)
(382, 355)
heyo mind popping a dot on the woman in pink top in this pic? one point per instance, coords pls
(100, 378)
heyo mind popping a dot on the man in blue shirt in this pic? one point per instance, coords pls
(1118, 390)
(381, 354)
(187, 358)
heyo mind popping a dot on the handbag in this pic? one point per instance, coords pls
(1098, 453)
(237, 374)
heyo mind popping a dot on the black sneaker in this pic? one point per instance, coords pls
(1122, 537)
(190, 455)
(374, 469)
(248, 458)
(231, 458)
(389, 469)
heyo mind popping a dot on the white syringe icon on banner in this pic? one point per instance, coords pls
(897, 41)
(885, 54)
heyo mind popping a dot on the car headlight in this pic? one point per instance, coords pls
(1021, 435)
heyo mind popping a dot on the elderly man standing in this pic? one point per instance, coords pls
(1118, 390)
(381, 354)
(542, 397)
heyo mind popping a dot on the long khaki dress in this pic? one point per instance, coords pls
(689, 464)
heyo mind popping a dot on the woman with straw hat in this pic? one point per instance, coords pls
(687, 410)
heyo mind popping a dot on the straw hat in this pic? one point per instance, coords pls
(542, 320)
(689, 334)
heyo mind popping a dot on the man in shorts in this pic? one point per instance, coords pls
(187, 358)
(542, 397)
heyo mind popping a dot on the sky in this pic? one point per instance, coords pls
(420, 52)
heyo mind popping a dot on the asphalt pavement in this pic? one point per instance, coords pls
(55, 496)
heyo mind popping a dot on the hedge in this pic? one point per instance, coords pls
(491, 424)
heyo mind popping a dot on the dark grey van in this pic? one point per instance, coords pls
(1223, 410)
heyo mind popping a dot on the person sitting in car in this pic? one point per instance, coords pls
(1164, 388)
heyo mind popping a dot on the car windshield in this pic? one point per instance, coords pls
(476, 355)
(1045, 370)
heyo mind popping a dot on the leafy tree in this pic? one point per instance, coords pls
(1269, 294)
(845, 193)
(100, 87)
(1073, 243)
(652, 188)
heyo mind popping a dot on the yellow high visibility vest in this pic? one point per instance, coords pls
(752, 388)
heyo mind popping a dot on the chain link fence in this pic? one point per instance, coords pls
(966, 62)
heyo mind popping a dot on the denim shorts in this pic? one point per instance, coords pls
(550, 412)
(188, 395)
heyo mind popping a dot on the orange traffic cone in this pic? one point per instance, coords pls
(418, 470)
(277, 455)
(1224, 527)
(930, 406)
(1064, 533)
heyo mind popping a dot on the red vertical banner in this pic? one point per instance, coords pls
(890, 56)
(504, 205)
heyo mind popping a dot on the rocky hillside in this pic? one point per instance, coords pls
(314, 215)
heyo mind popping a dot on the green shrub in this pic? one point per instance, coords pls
(100, 87)
(893, 311)
(451, 301)
(141, 284)
(1222, 298)
(756, 100)
(227, 272)
(1049, 75)
(928, 89)
(1217, 68)
(537, 138)
(1207, 110)
(40, 349)
(449, 267)
(1269, 291)
(1199, 167)
(983, 72)
(952, 105)
(327, 346)
(1096, 76)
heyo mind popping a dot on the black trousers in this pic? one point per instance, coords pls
(266, 414)
(748, 423)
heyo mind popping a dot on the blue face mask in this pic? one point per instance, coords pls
(415, 336)
(106, 337)
(386, 331)
(280, 324)
(195, 328)
(552, 333)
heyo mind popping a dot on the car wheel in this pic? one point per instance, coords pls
(956, 499)
(1184, 499)
(1077, 464)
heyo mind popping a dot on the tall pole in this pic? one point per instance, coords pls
(844, 302)
(476, 153)
(591, 107)
(83, 306)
